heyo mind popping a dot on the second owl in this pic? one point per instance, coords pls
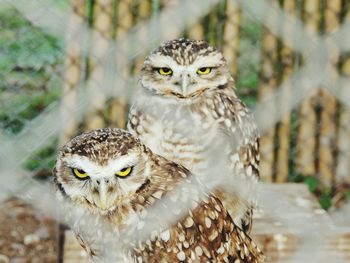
(186, 104)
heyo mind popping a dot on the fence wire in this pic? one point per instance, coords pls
(95, 77)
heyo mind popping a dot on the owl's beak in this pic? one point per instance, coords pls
(184, 83)
(102, 195)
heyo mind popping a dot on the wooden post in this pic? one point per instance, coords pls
(118, 104)
(196, 30)
(269, 81)
(143, 13)
(73, 70)
(231, 35)
(306, 138)
(343, 142)
(283, 141)
(212, 22)
(329, 103)
(102, 24)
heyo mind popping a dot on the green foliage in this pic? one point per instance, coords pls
(324, 194)
(28, 57)
(45, 158)
(347, 195)
(24, 47)
(22, 107)
(325, 201)
(247, 79)
(30, 63)
(312, 182)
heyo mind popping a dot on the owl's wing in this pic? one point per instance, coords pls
(236, 122)
(205, 234)
(134, 120)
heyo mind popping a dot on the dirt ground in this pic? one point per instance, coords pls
(26, 235)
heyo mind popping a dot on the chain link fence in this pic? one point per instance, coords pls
(70, 66)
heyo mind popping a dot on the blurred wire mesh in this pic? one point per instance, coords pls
(70, 66)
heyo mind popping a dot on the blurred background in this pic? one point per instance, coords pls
(67, 66)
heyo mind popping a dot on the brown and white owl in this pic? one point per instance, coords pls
(117, 179)
(186, 103)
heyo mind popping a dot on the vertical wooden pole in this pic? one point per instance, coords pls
(269, 81)
(102, 25)
(118, 105)
(143, 13)
(306, 138)
(212, 22)
(73, 70)
(231, 35)
(283, 133)
(343, 142)
(329, 103)
(196, 31)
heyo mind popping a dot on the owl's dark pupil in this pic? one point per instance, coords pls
(81, 171)
(123, 170)
(202, 69)
(166, 70)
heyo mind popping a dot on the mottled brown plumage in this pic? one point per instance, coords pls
(181, 116)
(201, 232)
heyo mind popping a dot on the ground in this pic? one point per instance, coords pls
(26, 235)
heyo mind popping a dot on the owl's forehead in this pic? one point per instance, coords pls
(186, 52)
(102, 145)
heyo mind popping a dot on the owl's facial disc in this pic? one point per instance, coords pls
(165, 76)
(104, 186)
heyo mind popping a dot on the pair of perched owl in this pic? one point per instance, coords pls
(186, 104)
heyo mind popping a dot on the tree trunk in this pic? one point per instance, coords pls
(73, 70)
(118, 104)
(143, 13)
(306, 138)
(343, 143)
(269, 81)
(102, 25)
(283, 141)
(231, 35)
(329, 103)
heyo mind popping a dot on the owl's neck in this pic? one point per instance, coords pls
(149, 97)
(131, 217)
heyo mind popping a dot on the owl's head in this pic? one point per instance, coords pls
(102, 169)
(184, 68)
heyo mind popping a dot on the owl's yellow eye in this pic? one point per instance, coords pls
(203, 71)
(165, 71)
(81, 174)
(124, 172)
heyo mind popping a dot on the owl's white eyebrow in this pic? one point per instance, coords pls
(123, 161)
(113, 165)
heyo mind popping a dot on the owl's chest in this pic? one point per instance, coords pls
(181, 136)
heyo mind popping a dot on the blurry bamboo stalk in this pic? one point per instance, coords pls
(231, 35)
(268, 76)
(343, 143)
(306, 138)
(118, 104)
(73, 69)
(143, 13)
(196, 30)
(212, 30)
(327, 139)
(102, 24)
(287, 57)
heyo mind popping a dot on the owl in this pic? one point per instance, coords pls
(113, 176)
(185, 104)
